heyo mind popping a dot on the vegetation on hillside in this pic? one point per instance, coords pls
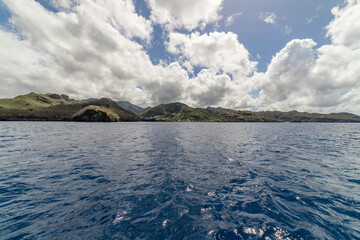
(35, 101)
(96, 114)
(48, 107)
(181, 112)
(295, 116)
(55, 107)
(131, 107)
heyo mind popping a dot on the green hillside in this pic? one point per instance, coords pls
(54, 107)
(163, 111)
(35, 100)
(295, 116)
(228, 115)
(181, 112)
(131, 107)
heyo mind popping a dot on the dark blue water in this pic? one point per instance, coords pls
(179, 181)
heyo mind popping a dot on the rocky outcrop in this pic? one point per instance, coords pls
(96, 114)
(58, 97)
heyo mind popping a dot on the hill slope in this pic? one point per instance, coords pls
(182, 112)
(55, 107)
(49, 107)
(34, 101)
(131, 107)
(295, 116)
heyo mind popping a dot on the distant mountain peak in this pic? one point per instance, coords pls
(131, 107)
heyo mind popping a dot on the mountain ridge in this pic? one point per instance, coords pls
(132, 107)
(49, 107)
(59, 107)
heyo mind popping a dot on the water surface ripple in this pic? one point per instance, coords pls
(179, 180)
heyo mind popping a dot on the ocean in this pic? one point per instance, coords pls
(64, 180)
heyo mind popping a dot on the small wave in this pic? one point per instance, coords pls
(120, 216)
(211, 194)
(357, 181)
(165, 223)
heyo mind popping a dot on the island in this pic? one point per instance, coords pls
(59, 107)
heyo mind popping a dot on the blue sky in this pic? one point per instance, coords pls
(307, 19)
(241, 54)
(267, 39)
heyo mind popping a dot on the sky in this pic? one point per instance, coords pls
(239, 54)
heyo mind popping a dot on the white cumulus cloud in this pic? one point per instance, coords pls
(84, 51)
(345, 28)
(286, 82)
(218, 50)
(268, 17)
(325, 79)
(188, 14)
